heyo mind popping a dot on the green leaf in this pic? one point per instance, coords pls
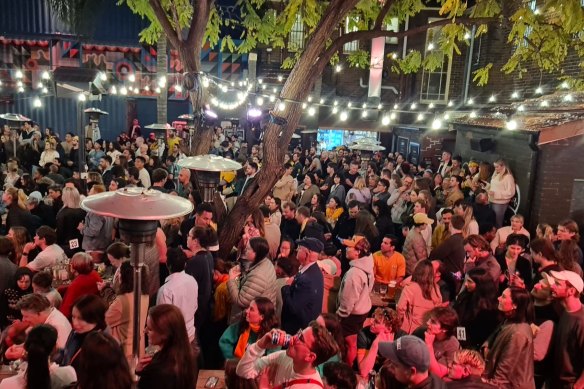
(359, 59)
(481, 76)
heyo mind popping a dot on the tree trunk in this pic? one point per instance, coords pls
(296, 88)
(161, 70)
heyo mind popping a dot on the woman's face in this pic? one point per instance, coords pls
(337, 180)
(10, 234)
(307, 181)
(268, 200)
(250, 255)
(285, 249)
(79, 325)
(506, 302)
(115, 262)
(154, 337)
(314, 200)
(469, 284)
(253, 315)
(113, 186)
(6, 199)
(437, 180)
(513, 250)
(332, 204)
(498, 168)
(459, 210)
(24, 282)
(413, 196)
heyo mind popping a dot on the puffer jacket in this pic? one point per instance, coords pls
(414, 250)
(259, 280)
(356, 285)
(509, 362)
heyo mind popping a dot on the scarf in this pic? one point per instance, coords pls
(243, 339)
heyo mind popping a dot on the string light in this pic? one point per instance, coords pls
(81, 97)
(451, 103)
(103, 76)
(364, 105)
(364, 114)
(431, 106)
(446, 116)
(147, 88)
(336, 103)
(544, 103)
(282, 106)
(39, 85)
(394, 56)
(280, 78)
(205, 82)
(157, 90)
(19, 74)
(272, 98)
(436, 124)
(473, 115)
(521, 108)
(413, 106)
(539, 90)
(393, 116)
(123, 90)
(20, 89)
(45, 75)
(470, 101)
(515, 95)
(114, 90)
(178, 88)
(467, 36)
(260, 101)
(263, 86)
(568, 98)
(344, 116)
(349, 105)
(379, 106)
(309, 99)
(395, 106)
(304, 105)
(37, 103)
(431, 47)
(420, 117)
(335, 110)
(132, 78)
(565, 85)
(321, 101)
(338, 68)
(385, 120)
(311, 111)
(162, 81)
(492, 99)
(45, 90)
(511, 125)
(260, 80)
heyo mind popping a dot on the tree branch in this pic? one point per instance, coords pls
(201, 9)
(370, 34)
(165, 23)
(176, 21)
(379, 21)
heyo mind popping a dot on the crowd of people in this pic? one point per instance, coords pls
(356, 272)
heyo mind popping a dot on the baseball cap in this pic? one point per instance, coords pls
(353, 241)
(312, 244)
(408, 351)
(422, 218)
(328, 266)
(573, 278)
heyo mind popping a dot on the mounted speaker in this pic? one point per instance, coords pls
(482, 145)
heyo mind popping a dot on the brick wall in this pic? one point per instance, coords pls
(559, 164)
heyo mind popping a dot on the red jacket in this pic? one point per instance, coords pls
(82, 284)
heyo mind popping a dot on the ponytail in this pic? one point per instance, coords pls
(22, 197)
(39, 345)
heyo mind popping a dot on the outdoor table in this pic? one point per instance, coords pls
(6, 371)
(204, 375)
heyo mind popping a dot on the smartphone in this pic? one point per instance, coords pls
(211, 382)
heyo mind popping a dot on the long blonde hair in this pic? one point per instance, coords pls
(505, 168)
(17, 196)
(71, 198)
(359, 183)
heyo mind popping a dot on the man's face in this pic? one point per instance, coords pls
(68, 138)
(300, 350)
(446, 219)
(471, 252)
(408, 182)
(249, 170)
(560, 289)
(353, 168)
(204, 219)
(102, 163)
(386, 245)
(299, 217)
(353, 212)
(31, 317)
(453, 182)
(54, 194)
(445, 156)
(288, 213)
(272, 205)
(183, 177)
(139, 163)
(400, 372)
(516, 224)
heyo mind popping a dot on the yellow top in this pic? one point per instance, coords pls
(388, 269)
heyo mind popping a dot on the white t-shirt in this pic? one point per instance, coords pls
(61, 324)
(60, 376)
(47, 258)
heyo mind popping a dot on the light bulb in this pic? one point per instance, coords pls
(157, 90)
(467, 36)
(451, 103)
(385, 120)
(178, 88)
(364, 105)
(431, 47)
(338, 68)
(436, 124)
(568, 98)
(420, 117)
(114, 90)
(131, 78)
(18, 74)
(335, 110)
(446, 116)
(413, 106)
(39, 85)
(470, 101)
(147, 88)
(379, 106)
(321, 101)
(492, 99)
(393, 116)
(364, 114)
(304, 105)
(45, 76)
(473, 115)
(344, 116)
(515, 95)
(45, 90)
(395, 106)
(431, 105)
(280, 78)
(123, 90)
(311, 111)
(272, 98)
(260, 101)
(81, 97)
(521, 108)
(37, 103)
(539, 90)
(511, 125)
(103, 76)
(282, 106)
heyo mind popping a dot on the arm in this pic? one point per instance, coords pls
(420, 249)
(350, 293)
(161, 245)
(252, 364)
(93, 224)
(507, 188)
(229, 340)
(253, 287)
(435, 367)
(113, 316)
(542, 339)
(366, 357)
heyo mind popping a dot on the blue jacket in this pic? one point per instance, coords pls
(302, 301)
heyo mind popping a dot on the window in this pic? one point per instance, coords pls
(435, 84)
(296, 36)
(393, 25)
(351, 26)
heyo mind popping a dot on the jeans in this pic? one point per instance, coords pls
(499, 210)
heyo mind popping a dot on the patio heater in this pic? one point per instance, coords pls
(207, 169)
(94, 115)
(14, 121)
(160, 132)
(138, 211)
(190, 119)
(367, 146)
